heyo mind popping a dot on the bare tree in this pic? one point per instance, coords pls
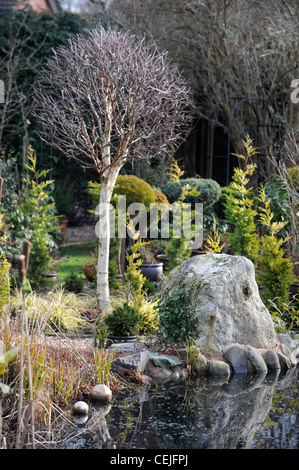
(106, 99)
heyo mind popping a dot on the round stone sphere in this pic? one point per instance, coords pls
(80, 408)
(101, 393)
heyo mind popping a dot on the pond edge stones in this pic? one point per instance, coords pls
(235, 359)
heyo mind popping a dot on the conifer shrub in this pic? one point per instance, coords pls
(40, 261)
(208, 191)
(123, 321)
(275, 271)
(255, 232)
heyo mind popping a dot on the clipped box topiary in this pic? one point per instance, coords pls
(209, 191)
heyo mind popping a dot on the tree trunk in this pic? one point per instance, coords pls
(104, 245)
(103, 233)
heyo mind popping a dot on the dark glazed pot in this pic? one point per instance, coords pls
(153, 272)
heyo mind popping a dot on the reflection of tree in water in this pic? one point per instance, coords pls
(207, 414)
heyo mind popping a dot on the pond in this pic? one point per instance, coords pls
(245, 413)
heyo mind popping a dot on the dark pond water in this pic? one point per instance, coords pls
(248, 413)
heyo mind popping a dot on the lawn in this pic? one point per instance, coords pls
(72, 258)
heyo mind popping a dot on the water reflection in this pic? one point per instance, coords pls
(246, 412)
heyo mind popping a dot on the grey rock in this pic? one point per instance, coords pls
(183, 374)
(161, 375)
(285, 350)
(165, 360)
(272, 360)
(202, 365)
(237, 359)
(222, 291)
(137, 362)
(257, 360)
(219, 368)
(128, 347)
(285, 362)
(286, 339)
(289, 348)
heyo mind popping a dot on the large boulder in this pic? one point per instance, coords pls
(222, 292)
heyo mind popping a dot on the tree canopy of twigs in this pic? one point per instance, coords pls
(108, 98)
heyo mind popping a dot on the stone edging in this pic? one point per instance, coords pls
(236, 359)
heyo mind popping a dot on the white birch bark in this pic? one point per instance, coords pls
(104, 244)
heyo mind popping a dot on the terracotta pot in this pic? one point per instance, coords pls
(90, 272)
(153, 272)
(63, 227)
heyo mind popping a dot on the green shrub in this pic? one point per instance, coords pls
(135, 189)
(178, 248)
(285, 315)
(74, 283)
(39, 263)
(123, 321)
(38, 205)
(250, 214)
(160, 197)
(208, 189)
(5, 358)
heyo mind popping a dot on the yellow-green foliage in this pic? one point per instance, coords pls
(58, 310)
(5, 358)
(4, 266)
(133, 293)
(239, 207)
(149, 319)
(213, 244)
(133, 276)
(135, 189)
(177, 249)
(4, 281)
(275, 272)
(160, 197)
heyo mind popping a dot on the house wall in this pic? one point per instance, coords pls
(41, 6)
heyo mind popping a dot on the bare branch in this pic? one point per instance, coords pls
(108, 98)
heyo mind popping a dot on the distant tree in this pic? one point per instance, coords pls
(226, 48)
(107, 99)
(27, 39)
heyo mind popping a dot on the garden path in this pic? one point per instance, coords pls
(84, 233)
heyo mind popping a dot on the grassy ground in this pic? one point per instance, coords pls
(72, 258)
